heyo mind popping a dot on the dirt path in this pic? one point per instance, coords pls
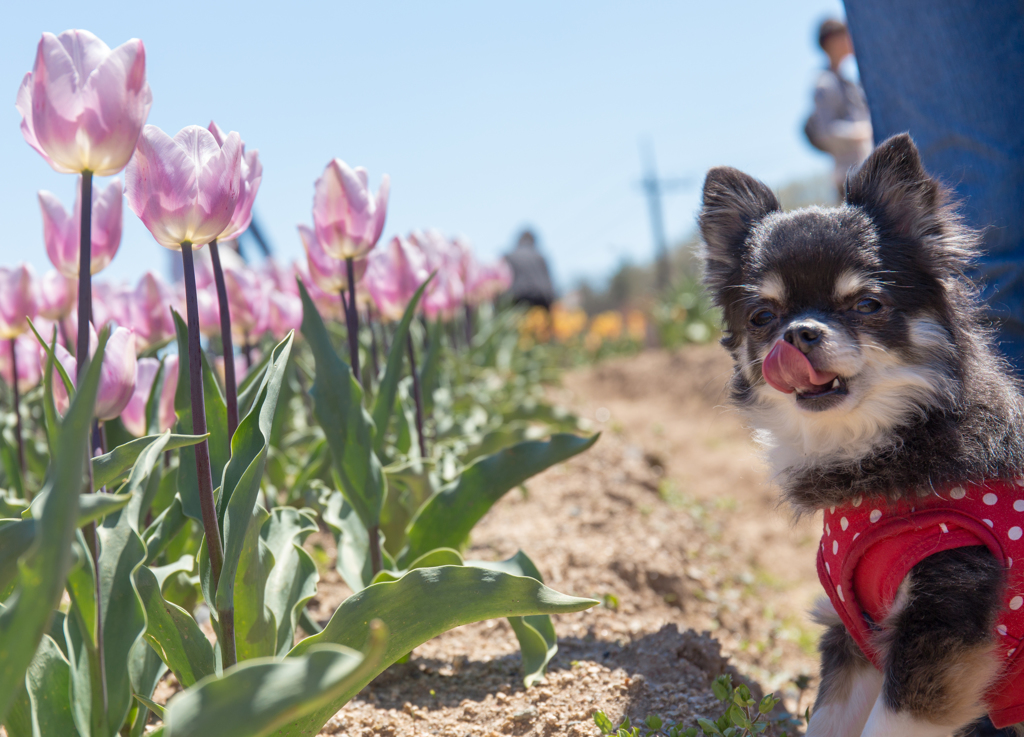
(669, 519)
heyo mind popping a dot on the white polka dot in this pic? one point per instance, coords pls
(1016, 603)
(1011, 651)
(1019, 482)
(988, 522)
(844, 523)
(1001, 629)
(875, 515)
(1015, 533)
(857, 500)
(828, 530)
(1018, 506)
(831, 510)
(1009, 562)
(839, 590)
(990, 499)
(856, 535)
(942, 526)
(828, 568)
(835, 547)
(958, 492)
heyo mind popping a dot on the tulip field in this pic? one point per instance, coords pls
(229, 503)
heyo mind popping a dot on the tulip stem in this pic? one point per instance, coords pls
(82, 356)
(373, 345)
(84, 274)
(17, 411)
(230, 385)
(417, 394)
(352, 318)
(203, 469)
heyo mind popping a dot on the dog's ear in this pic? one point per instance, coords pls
(893, 188)
(733, 204)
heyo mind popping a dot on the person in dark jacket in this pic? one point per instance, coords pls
(531, 280)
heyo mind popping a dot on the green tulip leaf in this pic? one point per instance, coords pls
(259, 697)
(255, 625)
(42, 569)
(164, 529)
(173, 633)
(353, 542)
(445, 520)
(145, 669)
(338, 407)
(108, 468)
(418, 607)
(538, 642)
(293, 579)
(216, 424)
(387, 392)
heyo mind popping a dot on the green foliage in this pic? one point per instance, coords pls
(43, 568)
(742, 716)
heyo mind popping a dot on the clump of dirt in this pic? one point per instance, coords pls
(670, 521)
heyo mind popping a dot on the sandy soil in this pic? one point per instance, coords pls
(670, 520)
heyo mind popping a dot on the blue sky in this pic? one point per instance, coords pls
(488, 116)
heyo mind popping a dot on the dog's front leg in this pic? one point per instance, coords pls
(938, 646)
(849, 683)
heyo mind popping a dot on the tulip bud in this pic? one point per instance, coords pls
(247, 301)
(487, 281)
(134, 414)
(62, 231)
(117, 379)
(184, 188)
(285, 314)
(83, 104)
(111, 303)
(348, 219)
(444, 294)
(19, 300)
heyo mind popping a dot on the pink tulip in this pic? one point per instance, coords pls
(83, 105)
(248, 303)
(281, 277)
(329, 273)
(209, 312)
(394, 274)
(285, 313)
(242, 365)
(185, 188)
(111, 303)
(19, 300)
(487, 281)
(444, 294)
(56, 295)
(30, 369)
(328, 303)
(150, 311)
(134, 414)
(251, 175)
(62, 231)
(229, 259)
(348, 219)
(117, 377)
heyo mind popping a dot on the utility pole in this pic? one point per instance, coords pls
(654, 188)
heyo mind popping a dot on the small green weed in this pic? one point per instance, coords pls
(742, 717)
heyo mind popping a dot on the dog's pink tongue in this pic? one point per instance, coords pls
(787, 369)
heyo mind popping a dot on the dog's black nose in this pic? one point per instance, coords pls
(804, 336)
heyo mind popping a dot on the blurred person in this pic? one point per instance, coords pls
(531, 280)
(952, 75)
(840, 124)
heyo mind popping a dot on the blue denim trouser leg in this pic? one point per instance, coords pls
(951, 72)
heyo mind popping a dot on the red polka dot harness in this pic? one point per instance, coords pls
(869, 546)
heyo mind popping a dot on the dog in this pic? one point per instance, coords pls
(866, 366)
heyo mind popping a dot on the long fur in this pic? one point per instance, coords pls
(921, 401)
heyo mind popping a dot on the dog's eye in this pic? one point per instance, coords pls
(868, 305)
(761, 318)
